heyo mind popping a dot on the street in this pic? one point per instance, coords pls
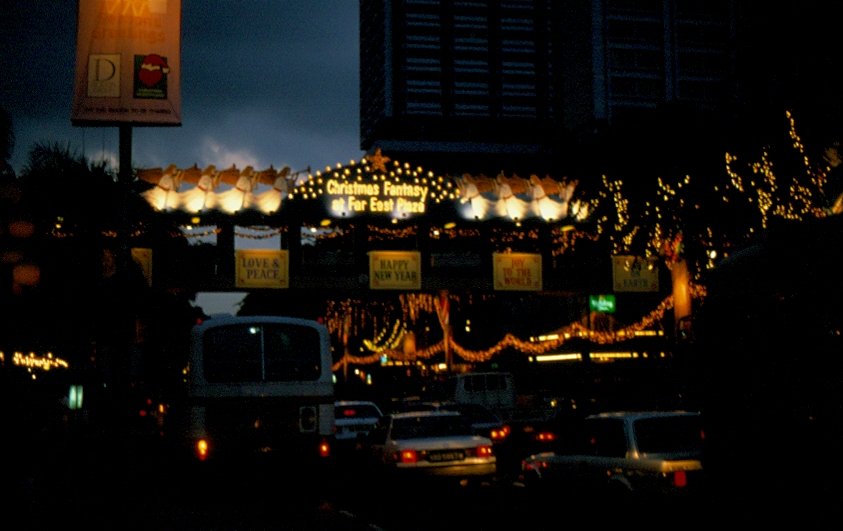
(124, 483)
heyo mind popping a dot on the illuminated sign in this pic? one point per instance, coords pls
(517, 271)
(128, 65)
(262, 268)
(388, 198)
(394, 270)
(601, 303)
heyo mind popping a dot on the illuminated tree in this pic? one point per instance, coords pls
(786, 183)
(694, 221)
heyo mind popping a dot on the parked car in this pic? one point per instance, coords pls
(625, 456)
(354, 419)
(429, 444)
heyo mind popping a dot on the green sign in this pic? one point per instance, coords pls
(601, 303)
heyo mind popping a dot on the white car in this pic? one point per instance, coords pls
(624, 456)
(430, 444)
(354, 418)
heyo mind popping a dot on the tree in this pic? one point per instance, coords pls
(692, 221)
(7, 147)
(85, 306)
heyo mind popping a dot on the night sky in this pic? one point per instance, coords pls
(264, 82)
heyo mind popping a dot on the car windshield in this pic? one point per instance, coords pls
(669, 434)
(429, 426)
(356, 411)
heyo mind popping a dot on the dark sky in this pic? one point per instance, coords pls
(264, 82)
(276, 82)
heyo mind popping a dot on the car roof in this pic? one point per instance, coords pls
(355, 403)
(633, 415)
(413, 414)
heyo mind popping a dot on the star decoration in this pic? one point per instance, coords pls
(378, 161)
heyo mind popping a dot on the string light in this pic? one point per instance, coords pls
(387, 339)
(43, 362)
(762, 184)
(415, 303)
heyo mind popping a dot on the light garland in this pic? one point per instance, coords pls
(202, 234)
(388, 233)
(264, 233)
(575, 330)
(43, 362)
(387, 339)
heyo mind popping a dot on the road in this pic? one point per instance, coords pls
(107, 482)
(124, 483)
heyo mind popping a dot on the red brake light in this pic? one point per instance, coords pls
(500, 434)
(324, 449)
(202, 449)
(545, 436)
(680, 478)
(484, 451)
(409, 456)
(533, 465)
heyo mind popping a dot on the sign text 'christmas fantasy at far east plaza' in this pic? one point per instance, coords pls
(398, 199)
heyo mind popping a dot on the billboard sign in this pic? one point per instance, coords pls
(602, 303)
(128, 65)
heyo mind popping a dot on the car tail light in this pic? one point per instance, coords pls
(680, 479)
(479, 451)
(409, 456)
(324, 448)
(202, 449)
(545, 436)
(533, 465)
(500, 434)
(484, 451)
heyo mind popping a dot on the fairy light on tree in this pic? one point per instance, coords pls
(790, 188)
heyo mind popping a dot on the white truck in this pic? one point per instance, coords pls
(494, 390)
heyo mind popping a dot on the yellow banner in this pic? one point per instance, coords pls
(633, 273)
(394, 270)
(262, 268)
(128, 64)
(517, 271)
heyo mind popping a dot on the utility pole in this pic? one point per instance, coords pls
(126, 335)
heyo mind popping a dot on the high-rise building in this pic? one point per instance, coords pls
(452, 78)
(488, 85)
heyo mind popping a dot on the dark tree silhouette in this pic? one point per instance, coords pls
(89, 307)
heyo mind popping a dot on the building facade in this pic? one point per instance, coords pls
(515, 85)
